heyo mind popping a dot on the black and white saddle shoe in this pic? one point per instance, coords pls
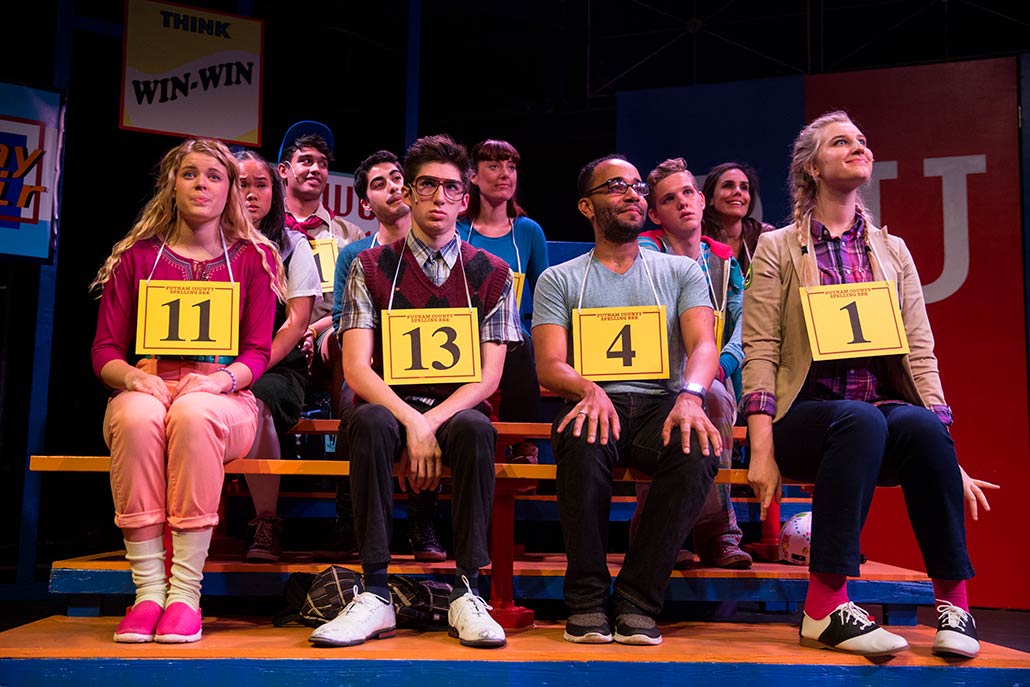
(852, 630)
(956, 632)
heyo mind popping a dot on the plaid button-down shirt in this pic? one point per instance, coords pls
(843, 260)
(497, 326)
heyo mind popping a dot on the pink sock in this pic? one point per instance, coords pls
(825, 592)
(952, 591)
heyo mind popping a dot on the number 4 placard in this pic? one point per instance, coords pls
(853, 320)
(188, 318)
(620, 344)
(431, 346)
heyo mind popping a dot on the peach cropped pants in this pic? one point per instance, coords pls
(167, 464)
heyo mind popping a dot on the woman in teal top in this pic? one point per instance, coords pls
(498, 225)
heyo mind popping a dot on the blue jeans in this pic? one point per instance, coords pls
(680, 483)
(847, 448)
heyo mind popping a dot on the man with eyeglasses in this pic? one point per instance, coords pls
(430, 422)
(378, 184)
(626, 338)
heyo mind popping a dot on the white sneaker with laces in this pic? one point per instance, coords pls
(469, 620)
(368, 616)
(850, 629)
(956, 632)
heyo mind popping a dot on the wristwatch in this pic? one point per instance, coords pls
(693, 389)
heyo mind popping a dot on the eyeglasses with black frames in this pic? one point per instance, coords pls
(425, 187)
(618, 187)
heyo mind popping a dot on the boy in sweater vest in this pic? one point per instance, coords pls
(433, 421)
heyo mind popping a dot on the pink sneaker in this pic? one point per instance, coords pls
(139, 623)
(178, 625)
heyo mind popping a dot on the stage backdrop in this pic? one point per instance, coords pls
(946, 142)
(31, 128)
(191, 72)
(339, 196)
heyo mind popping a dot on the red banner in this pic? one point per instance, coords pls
(946, 142)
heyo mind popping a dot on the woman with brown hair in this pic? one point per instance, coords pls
(731, 190)
(495, 222)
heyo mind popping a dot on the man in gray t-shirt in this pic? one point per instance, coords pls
(657, 426)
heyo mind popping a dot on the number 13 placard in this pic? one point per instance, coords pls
(188, 318)
(853, 320)
(431, 346)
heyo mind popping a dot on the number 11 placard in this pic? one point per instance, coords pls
(853, 320)
(188, 318)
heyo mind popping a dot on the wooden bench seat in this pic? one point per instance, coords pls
(511, 477)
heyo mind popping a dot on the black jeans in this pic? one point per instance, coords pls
(846, 448)
(520, 390)
(679, 486)
(375, 440)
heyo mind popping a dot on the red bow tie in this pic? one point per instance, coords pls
(304, 227)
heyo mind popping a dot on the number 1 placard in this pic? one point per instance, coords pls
(431, 346)
(854, 320)
(620, 344)
(188, 318)
(325, 251)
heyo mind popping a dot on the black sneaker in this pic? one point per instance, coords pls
(956, 632)
(424, 542)
(588, 628)
(267, 543)
(852, 630)
(636, 628)
(342, 544)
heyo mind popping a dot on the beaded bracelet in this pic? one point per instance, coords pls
(228, 372)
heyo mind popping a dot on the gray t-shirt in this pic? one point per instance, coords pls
(680, 285)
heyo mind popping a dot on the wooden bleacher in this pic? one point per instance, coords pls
(778, 586)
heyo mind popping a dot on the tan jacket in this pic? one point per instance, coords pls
(777, 355)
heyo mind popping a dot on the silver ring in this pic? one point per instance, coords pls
(582, 412)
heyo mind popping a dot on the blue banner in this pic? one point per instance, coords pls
(31, 128)
(745, 121)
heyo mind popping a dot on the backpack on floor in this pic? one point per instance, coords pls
(420, 604)
(329, 593)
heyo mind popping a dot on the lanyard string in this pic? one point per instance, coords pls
(225, 254)
(586, 273)
(461, 261)
(511, 232)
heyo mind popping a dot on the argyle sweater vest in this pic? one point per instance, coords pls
(486, 277)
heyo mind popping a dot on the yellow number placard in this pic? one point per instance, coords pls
(188, 318)
(854, 320)
(720, 325)
(431, 346)
(325, 251)
(620, 344)
(520, 279)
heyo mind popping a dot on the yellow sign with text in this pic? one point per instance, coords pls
(190, 71)
(188, 318)
(325, 251)
(854, 320)
(620, 344)
(431, 346)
